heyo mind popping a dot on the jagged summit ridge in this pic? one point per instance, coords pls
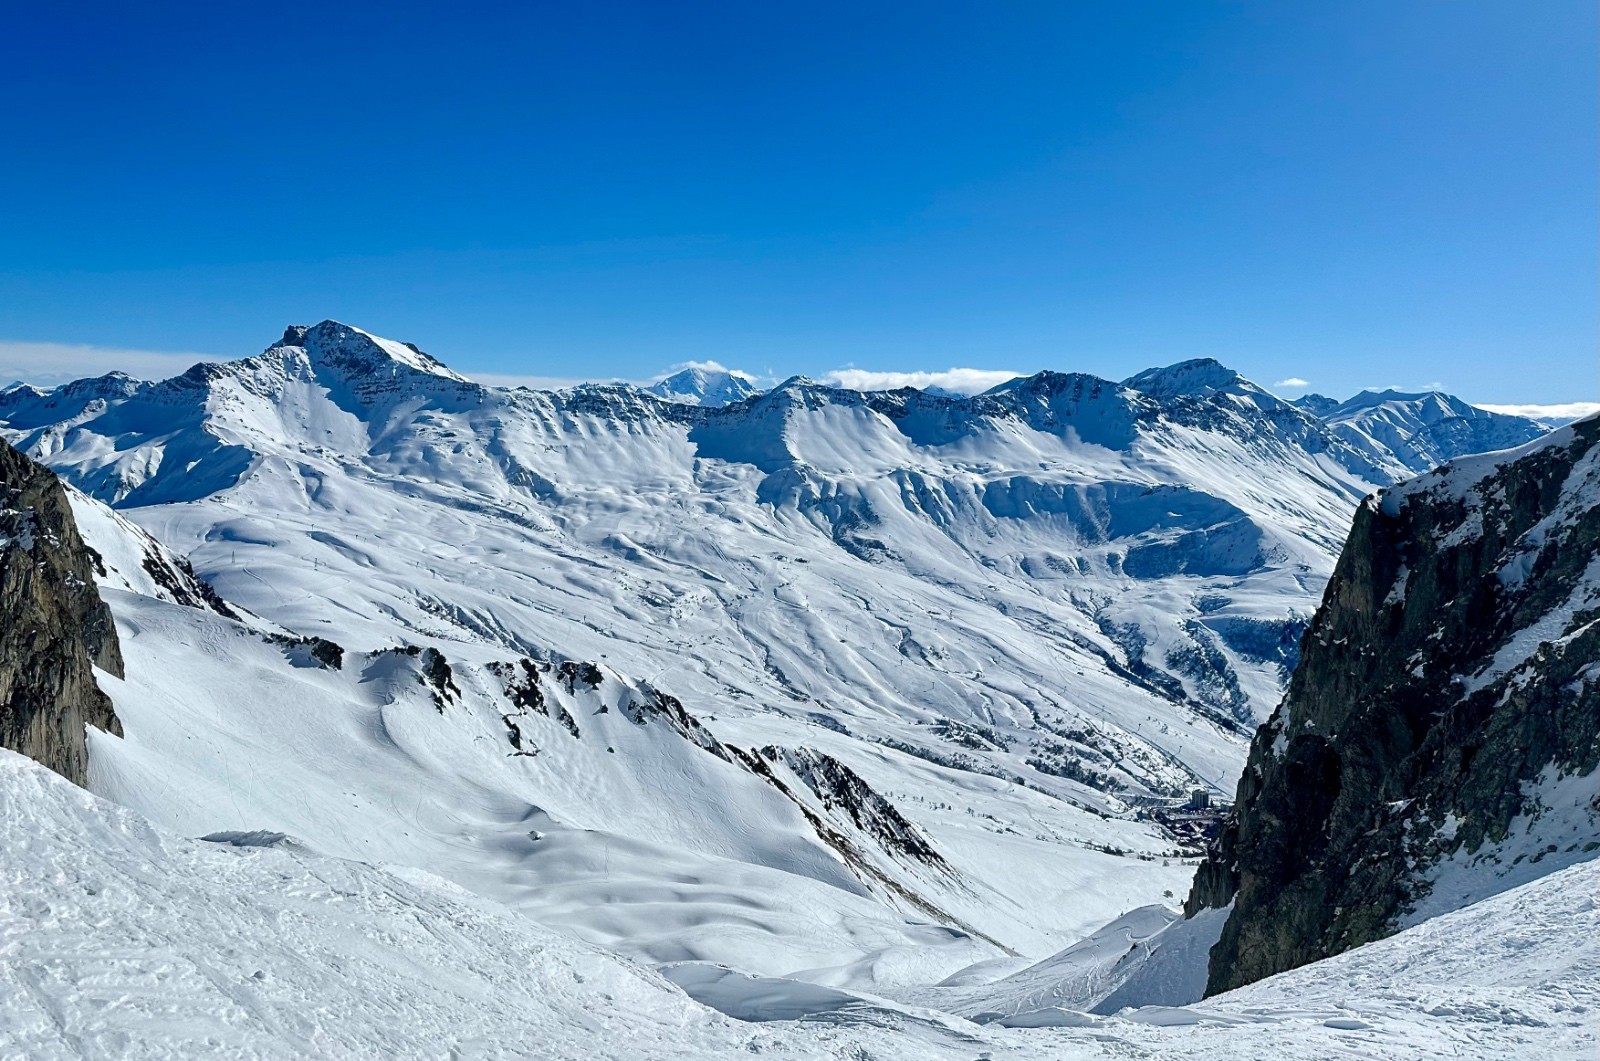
(357, 353)
(1316, 404)
(1200, 377)
(1410, 433)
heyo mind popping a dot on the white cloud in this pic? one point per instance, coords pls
(959, 380)
(1557, 411)
(49, 364)
(1293, 382)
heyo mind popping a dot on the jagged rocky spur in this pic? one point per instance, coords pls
(56, 629)
(1439, 740)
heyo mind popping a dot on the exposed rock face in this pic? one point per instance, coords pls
(1447, 693)
(843, 791)
(55, 627)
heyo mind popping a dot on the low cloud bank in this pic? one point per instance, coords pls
(957, 380)
(1560, 411)
(50, 364)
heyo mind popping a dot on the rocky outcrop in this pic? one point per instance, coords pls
(55, 627)
(1447, 691)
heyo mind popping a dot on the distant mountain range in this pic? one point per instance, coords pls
(705, 386)
(882, 722)
(1407, 434)
(933, 664)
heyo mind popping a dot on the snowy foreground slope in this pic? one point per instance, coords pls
(121, 940)
(857, 688)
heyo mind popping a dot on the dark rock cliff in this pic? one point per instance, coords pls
(53, 624)
(1447, 687)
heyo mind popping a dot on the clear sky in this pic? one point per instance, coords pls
(1396, 192)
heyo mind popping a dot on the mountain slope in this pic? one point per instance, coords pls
(587, 799)
(934, 659)
(1407, 434)
(1439, 741)
(125, 941)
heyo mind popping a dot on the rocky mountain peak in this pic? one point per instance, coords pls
(357, 354)
(797, 392)
(1426, 406)
(1316, 404)
(1050, 382)
(1368, 398)
(1406, 433)
(1198, 378)
(1437, 743)
(25, 405)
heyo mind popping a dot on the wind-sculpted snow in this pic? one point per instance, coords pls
(1017, 619)
(591, 801)
(121, 940)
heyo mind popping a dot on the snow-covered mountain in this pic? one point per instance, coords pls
(1408, 434)
(859, 688)
(872, 709)
(705, 385)
(1316, 404)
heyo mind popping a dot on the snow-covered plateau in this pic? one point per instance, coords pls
(530, 723)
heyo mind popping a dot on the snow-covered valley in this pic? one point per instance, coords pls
(122, 940)
(877, 700)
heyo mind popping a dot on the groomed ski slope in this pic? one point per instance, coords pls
(120, 940)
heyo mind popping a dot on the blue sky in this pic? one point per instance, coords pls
(1353, 193)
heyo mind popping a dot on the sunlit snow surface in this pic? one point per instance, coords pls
(119, 940)
(1014, 618)
(632, 834)
(932, 653)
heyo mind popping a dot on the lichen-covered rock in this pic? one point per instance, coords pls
(54, 628)
(1447, 687)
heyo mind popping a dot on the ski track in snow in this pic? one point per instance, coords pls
(119, 940)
